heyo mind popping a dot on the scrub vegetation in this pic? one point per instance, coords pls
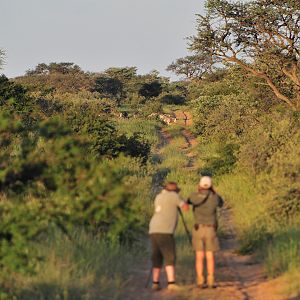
(83, 154)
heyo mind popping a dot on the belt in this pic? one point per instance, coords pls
(196, 226)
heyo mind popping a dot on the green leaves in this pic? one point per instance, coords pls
(262, 36)
(63, 171)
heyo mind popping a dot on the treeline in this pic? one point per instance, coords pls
(117, 87)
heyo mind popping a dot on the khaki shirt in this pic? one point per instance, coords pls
(165, 216)
(205, 213)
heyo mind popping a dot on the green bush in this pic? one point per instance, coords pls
(282, 253)
(222, 162)
(49, 177)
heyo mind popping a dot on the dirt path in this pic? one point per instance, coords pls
(239, 277)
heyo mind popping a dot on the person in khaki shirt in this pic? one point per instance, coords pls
(205, 241)
(161, 229)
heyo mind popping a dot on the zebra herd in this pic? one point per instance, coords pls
(166, 118)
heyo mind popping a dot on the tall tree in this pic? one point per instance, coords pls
(152, 89)
(262, 36)
(191, 67)
(108, 87)
(61, 68)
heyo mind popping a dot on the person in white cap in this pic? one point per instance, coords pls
(205, 241)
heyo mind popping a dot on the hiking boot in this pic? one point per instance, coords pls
(201, 282)
(174, 287)
(155, 287)
(211, 282)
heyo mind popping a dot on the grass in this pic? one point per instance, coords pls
(277, 245)
(185, 265)
(86, 268)
(282, 253)
(174, 130)
(148, 128)
(292, 282)
(249, 211)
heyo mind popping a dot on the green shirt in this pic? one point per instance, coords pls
(206, 212)
(165, 215)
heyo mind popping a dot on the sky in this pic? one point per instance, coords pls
(96, 34)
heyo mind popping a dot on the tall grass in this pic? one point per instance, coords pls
(175, 131)
(148, 128)
(278, 245)
(250, 216)
(282, 253)
(86, 267)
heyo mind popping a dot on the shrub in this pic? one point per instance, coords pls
(282, 253)
(48, 177)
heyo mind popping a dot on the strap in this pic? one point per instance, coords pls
(204, 200)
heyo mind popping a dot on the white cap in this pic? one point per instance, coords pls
(205, 182)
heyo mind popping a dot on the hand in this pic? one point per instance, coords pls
(185, 207)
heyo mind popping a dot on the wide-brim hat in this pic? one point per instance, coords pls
(172, 187)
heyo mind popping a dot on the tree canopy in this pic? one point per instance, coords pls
(192, 66)
(261, 36)
(62, 68)
(151, 89)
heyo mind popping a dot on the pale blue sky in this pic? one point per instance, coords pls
(96, 34)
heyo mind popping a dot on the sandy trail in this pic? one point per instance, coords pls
(239, 277)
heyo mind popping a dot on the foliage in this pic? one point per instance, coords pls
(172, 99)
(252, 149)
(118, 90)
(108, 87)
(282, 253)
(85, 265)
(56, 78)
(191, 67)
(152, 89)
(225, 108)
(50, 175)
(223, 161)
(261, 36)
(63, 68)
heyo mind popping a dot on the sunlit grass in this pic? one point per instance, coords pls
(86, 267)
(149, 128)
(282, 253)
(292, 281)
(242, 196)
(174, 130)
